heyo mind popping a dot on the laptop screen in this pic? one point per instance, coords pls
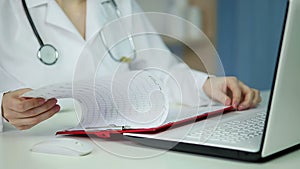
(248, 39)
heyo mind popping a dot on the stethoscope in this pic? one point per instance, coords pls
(49, 55)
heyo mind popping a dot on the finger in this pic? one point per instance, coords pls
(221, 97)
(20, 92)
(248, 98)
(32, 121)
(24, 105)
(23, 127)
(257, 98)
(38, 110)
(233, 86)
(10, 114)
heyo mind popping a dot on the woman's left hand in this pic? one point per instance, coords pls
(231, 91)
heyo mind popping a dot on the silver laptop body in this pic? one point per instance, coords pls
(255, 134)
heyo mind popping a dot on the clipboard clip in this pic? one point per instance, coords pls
(109, 127)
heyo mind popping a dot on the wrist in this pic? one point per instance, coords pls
(2, 109)
(207, 85)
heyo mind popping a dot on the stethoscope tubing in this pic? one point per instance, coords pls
(33, 27)
(54, 55)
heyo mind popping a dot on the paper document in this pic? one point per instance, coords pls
(135, 99)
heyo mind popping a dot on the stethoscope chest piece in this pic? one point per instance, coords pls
(48, 54)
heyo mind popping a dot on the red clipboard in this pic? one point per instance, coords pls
(108, 133)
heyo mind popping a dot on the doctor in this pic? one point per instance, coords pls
(71, 26)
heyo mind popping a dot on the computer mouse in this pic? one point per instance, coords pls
(63, 146)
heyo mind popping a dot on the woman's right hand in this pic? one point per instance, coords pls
(24, 113)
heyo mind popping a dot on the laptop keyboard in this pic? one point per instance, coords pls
(232, 131)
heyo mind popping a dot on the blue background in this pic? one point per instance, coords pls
(248, 38)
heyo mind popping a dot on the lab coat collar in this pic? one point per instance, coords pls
(56, 17)
(97, 17)
(35, 3)
(54, 14)
(94, 18)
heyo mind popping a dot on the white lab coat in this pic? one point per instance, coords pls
(19, 65)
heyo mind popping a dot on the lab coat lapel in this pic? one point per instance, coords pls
(35, 3)
(56, 17)
(95, 18)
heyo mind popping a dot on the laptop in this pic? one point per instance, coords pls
(257, 134)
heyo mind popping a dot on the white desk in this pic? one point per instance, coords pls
(15, 154)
